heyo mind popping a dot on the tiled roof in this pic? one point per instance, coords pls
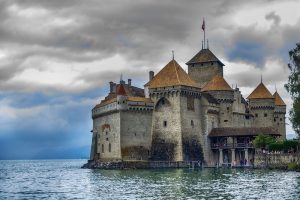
(217, 83)
(260, 92)
(121, 90)
(278, 99)
(244, 131)
(106, 102)
(171, 75)
(205, 55)
(140, 99)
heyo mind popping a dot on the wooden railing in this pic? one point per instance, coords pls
(231, 145)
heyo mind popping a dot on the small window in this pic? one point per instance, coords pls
(106, 133)
(225, 120)
(162, 101)
(227, 108)
(165, 123)
(212, 63)
(213, 124)
(201, 64)
(265, 115)
(281, 119)
(106, 139)
(102, 148)
(134, 134)
(274, 120)
(192, 123)
(109, 147)
(118, 102)
(256, 115)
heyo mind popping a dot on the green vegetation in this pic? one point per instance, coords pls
(293, 166)
(268, 142)
(263, 141)
(293, 87)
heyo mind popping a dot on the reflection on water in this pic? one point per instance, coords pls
(64, 179)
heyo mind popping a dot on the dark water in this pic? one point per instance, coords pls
(63, 179)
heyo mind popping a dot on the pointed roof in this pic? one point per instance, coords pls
(260, 92)
(217, 83)
(278, 99)
(121, 90)
(171, 75)
(204, 55)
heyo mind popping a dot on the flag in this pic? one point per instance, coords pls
(203, 25)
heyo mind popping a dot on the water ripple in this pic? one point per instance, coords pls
(63, 179)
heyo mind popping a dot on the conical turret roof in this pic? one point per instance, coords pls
(171, 75)
(204, 55)
(278, 99)
(121, 90)
(217, 83)
(260, 92)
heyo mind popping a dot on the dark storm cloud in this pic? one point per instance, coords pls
(140, 31)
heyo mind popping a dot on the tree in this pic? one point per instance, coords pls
(263, 141)
(293, 87)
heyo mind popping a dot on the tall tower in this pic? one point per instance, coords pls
(204, 66)
(279, 115)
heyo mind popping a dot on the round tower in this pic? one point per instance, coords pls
(261, 106)
(121, 98)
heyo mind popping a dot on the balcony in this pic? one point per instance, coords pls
(231, 145)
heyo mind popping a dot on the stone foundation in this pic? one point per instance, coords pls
(275, 160)
(141, 165)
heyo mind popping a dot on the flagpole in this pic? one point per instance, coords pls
(203, 28)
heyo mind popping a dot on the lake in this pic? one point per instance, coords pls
(64, 179)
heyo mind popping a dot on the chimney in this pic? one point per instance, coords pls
(111, 86)
(151, 75)
(129, 82)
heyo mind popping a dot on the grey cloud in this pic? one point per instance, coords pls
(273, 16)
(142, 32)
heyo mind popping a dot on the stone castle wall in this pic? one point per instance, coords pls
(263, 112)
(191, 127)
(108, 136)
(136, 135)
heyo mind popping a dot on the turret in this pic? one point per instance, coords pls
(220, 90)
(261, 106)
(121, 98)
(279, 115)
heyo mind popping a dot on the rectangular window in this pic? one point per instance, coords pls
(265, 115)
(165, 123)
(256, 115)
(102, 148)
(109, 147)
(190, 103)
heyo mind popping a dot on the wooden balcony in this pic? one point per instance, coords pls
(232, 146)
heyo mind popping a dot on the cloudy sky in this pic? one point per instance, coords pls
(57, 57)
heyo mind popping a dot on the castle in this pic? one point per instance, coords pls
(181, 116)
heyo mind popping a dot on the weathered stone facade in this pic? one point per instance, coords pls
(179, 117)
